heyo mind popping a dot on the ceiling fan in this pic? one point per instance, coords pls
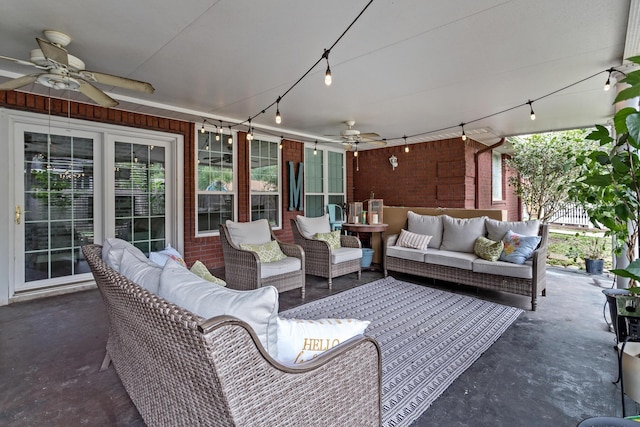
(352, 137)
(62, 70)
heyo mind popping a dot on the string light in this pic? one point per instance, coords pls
(355, 151)
(607, 85)
(327, 74)
(281, 142)
(464, 135)
(278, 116)
(406, 145)
(250, 133)
(202, 128)
(533, 115)
(230, 140)
(315, 149)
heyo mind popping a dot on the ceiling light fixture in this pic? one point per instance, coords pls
(406, 145)
(278, 116)
(327, 74)
(464, 135)
(533, 115)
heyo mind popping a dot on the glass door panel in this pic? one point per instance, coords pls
(58, 198)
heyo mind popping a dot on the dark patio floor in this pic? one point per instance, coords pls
(553, 367)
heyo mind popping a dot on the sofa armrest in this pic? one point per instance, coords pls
(292, 250)
(342, 386)
(350, 241)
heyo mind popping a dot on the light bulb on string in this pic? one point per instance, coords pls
(464, 135)
(533, 115)
(607, 84)
(281, 142)
(327, 74)
(406, 145)
(202, 128)
(315, 149)
(230, 140)
(218, 132)
(278, 116)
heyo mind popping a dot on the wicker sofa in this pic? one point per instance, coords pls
(464, 267)
(182, 369)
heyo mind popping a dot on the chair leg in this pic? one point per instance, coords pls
(330, 284)
(105, 362)
(359, 274)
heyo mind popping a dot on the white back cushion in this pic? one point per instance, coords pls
(112, 250)
(254, 232)
(144, 273)
(460, 234)
(310, 226)
(259, 307)
(429, 225)
(497, 229)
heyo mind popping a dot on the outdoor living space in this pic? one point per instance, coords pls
(552, 367)
(227, 213)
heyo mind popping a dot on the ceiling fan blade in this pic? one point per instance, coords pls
(53, 53)
(17, 61)
(112, 80)
(369, 136)
(96, 94)
(379, 142)
(19, 82)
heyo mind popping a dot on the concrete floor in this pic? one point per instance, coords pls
(552, 367)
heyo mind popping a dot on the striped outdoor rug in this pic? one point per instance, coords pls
(428, 337)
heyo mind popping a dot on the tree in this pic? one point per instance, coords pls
(546, 168)
(609, 189)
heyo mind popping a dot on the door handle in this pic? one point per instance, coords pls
(18, 214)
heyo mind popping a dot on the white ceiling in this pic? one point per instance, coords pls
(406, 67)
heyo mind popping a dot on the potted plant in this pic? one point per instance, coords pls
(609, 190)
(592, 250)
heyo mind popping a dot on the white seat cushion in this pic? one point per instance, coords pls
(287, 265)
(406, 253)
(450, 258)
(254, 232)
(345, 254)
(310, 226)
(258, 307)
(502, 268)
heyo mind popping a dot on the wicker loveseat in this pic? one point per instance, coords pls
(463, 266)
(181, 369)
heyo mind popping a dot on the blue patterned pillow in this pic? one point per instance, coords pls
(517, 248)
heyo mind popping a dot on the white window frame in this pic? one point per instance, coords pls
(234, 192)
(324, 151)
(276, 141)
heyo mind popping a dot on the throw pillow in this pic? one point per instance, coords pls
(267, 252)
(517, 248)
(488, 249)
(258, 307)
(113, 248)
(332, 238)
(164, 255)
(430, 225)
(309, 226)
(301, 340)
(201, 270)
(460, 234)
(408, 239)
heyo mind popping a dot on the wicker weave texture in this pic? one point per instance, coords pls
(180, 369)
(528, 287)
(242, 268)
(318, 255)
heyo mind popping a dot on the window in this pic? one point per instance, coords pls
(496, 176)
(265, 181)
(215, 178)
(324, 183)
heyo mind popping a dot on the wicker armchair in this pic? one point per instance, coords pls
(318, 256)
(243, 269)
(183, 370)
